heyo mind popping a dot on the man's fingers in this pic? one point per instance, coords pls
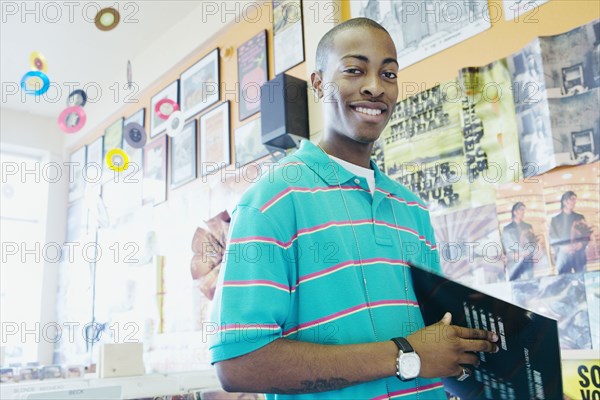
(467, 333)
(479, 345)
(470, 359)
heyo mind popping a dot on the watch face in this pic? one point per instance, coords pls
(410, 365)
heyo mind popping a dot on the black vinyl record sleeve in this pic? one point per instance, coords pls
(528, 363)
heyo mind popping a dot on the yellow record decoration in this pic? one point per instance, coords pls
(38, 61)
(117, 160)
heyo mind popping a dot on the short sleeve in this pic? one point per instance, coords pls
(252, 298)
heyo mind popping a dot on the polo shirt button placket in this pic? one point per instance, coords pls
(357, 181)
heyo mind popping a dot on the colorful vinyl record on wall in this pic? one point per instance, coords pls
(117, 160)
(165, 107)
(77, 97)
(135, 135)
(175, 124)
(107, 19)
(38, 61)
(35, 83)
(72, 119)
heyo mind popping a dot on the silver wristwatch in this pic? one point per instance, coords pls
(408, 363)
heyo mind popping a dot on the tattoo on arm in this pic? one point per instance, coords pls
(320, 385)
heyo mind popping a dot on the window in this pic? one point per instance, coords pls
(23, 205)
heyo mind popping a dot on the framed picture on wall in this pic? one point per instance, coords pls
(287, 34)
(183, 155)
(94, 161)
(77, 181)
(113, 139)
(161, 106)
(200, 85)
(113, 136)
(253, 71)
(154, 187)
(214, 139)
(139, 117)
(248, 146)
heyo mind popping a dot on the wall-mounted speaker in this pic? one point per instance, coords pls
(284, 112)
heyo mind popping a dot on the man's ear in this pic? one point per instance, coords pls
(317, 81)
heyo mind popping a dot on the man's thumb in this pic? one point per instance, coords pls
(447, 319)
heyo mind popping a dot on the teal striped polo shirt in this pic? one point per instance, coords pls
(292, 266)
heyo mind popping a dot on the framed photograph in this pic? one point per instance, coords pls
(248, 146)
(183, 155)
(139, 117)
(94, 161)
(113, 136)
(214, 139)
(155, 171)
(113, 139)
(77, 181)
(253, 72)
(200, 85)
(157, 124)
(287, 34)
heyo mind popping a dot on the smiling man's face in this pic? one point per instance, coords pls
(359, 87)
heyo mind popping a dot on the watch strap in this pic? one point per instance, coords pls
(403, 344)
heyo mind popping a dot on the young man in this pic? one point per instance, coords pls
(519, 244)
(569, 236)
(316, 281)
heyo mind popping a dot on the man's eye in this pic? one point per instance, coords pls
(352, 70)
(390, 75)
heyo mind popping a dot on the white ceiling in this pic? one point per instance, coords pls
(154, 35)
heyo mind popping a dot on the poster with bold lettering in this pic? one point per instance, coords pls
(450, 144)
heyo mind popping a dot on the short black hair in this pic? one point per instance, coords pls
(326, 43)
(566, 196)
(515, 207)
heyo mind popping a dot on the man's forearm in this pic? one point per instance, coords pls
(293, 367)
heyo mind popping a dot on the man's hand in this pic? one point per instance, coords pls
(443, 347)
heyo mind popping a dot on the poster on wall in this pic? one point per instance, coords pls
(592, 290)
(475, 116)
(469, 245)
(200, 85)
(288, 34)
(155, 171)
(562, 298)
(521, 211)
(421, 28)
(556, 91)
(515, 8)
(572, 213)
(252, 73)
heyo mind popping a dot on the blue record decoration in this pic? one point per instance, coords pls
(40, 76)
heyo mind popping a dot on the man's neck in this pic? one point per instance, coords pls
(355, 153)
